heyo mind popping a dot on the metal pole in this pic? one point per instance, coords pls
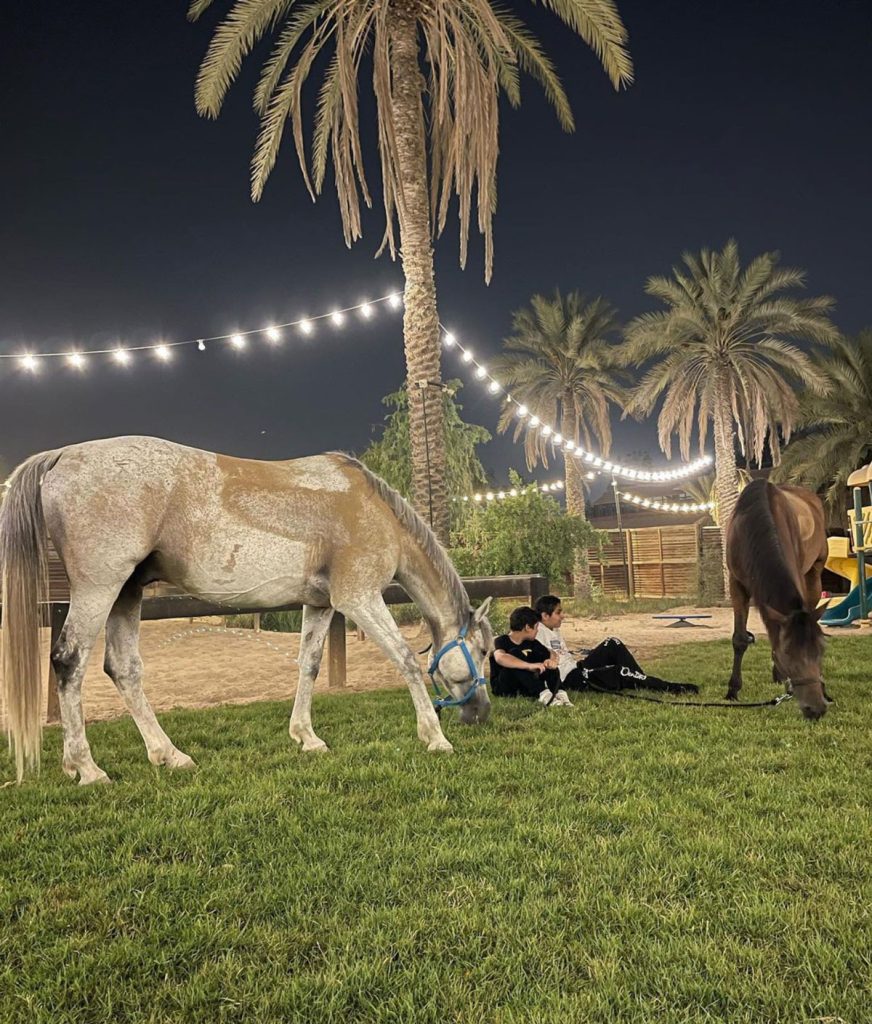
(423, 385)
(859, 547)
(624, 550)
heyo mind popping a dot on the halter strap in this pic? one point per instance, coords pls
(447, 701)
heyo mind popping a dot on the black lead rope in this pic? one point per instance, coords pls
(692, 703)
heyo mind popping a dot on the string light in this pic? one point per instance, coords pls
(689, 469)
(163, 350)
(485, 496)
(661, 505)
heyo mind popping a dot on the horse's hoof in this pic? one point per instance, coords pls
(101, 779)
(315, 746)
(440, 746)
(173, 759)
(731, 696)
(181, 763)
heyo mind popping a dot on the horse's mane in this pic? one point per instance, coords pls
(421, 534)
(760, 553)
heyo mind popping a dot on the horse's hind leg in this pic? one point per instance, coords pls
(316, 622)
(377, 622)
(69, 658)
(740, 601)
(123, 665)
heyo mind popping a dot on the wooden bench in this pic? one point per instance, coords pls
(682, 620)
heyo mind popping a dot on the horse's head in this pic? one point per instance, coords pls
(798, 654)
(459, 666)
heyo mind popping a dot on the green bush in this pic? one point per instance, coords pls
(528, 534)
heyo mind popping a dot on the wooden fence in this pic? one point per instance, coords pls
(659, 561)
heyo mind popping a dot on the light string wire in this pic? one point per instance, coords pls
(122, 353)
(450, 340)
(657, 504)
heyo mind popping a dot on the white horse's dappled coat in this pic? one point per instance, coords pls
(127, 511)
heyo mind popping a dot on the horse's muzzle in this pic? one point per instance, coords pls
(814, 712)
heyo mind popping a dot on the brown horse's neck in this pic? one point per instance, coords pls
(421, 580)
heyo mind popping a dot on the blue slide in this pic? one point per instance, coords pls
(847, 610)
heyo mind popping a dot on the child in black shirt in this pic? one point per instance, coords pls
(521, 666)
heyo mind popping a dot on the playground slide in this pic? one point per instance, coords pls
(848, 610)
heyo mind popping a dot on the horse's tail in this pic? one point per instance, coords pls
(23, 566)
(763, 559)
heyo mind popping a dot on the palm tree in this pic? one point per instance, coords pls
(724, 353)
(473, 52)
(835, 428)
(560, 362)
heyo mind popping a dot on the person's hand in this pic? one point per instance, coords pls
(552, 663)
(539, 669)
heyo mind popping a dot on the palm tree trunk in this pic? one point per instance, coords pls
(575, 504)
(421, 319)
(726, 477)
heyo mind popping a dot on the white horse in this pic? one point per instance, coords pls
(127, 511)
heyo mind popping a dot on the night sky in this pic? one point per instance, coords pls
(125, 215)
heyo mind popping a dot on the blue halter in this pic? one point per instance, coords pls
(447, 701)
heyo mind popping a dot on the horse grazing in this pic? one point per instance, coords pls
(776, 550)
(127, 511)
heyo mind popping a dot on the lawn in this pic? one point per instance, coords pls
(620, 861)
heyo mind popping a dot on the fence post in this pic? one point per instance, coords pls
(539, 587)
(57, 618)
(336, 651)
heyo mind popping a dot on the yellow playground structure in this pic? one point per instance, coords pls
(843, 611)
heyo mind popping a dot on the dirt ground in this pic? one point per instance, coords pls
(201, 664)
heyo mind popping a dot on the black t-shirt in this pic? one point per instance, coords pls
(529, 651)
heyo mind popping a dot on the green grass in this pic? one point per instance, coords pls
(618, 862)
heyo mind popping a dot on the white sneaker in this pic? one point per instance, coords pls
(545, 698)
(561, 699)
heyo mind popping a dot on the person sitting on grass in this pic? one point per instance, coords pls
(521, 667)
(609, 666)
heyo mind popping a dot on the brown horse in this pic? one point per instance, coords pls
(126, 511)
(776, 550)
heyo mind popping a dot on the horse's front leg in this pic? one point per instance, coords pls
(316, 622)
(740, 601)
(372, 615)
